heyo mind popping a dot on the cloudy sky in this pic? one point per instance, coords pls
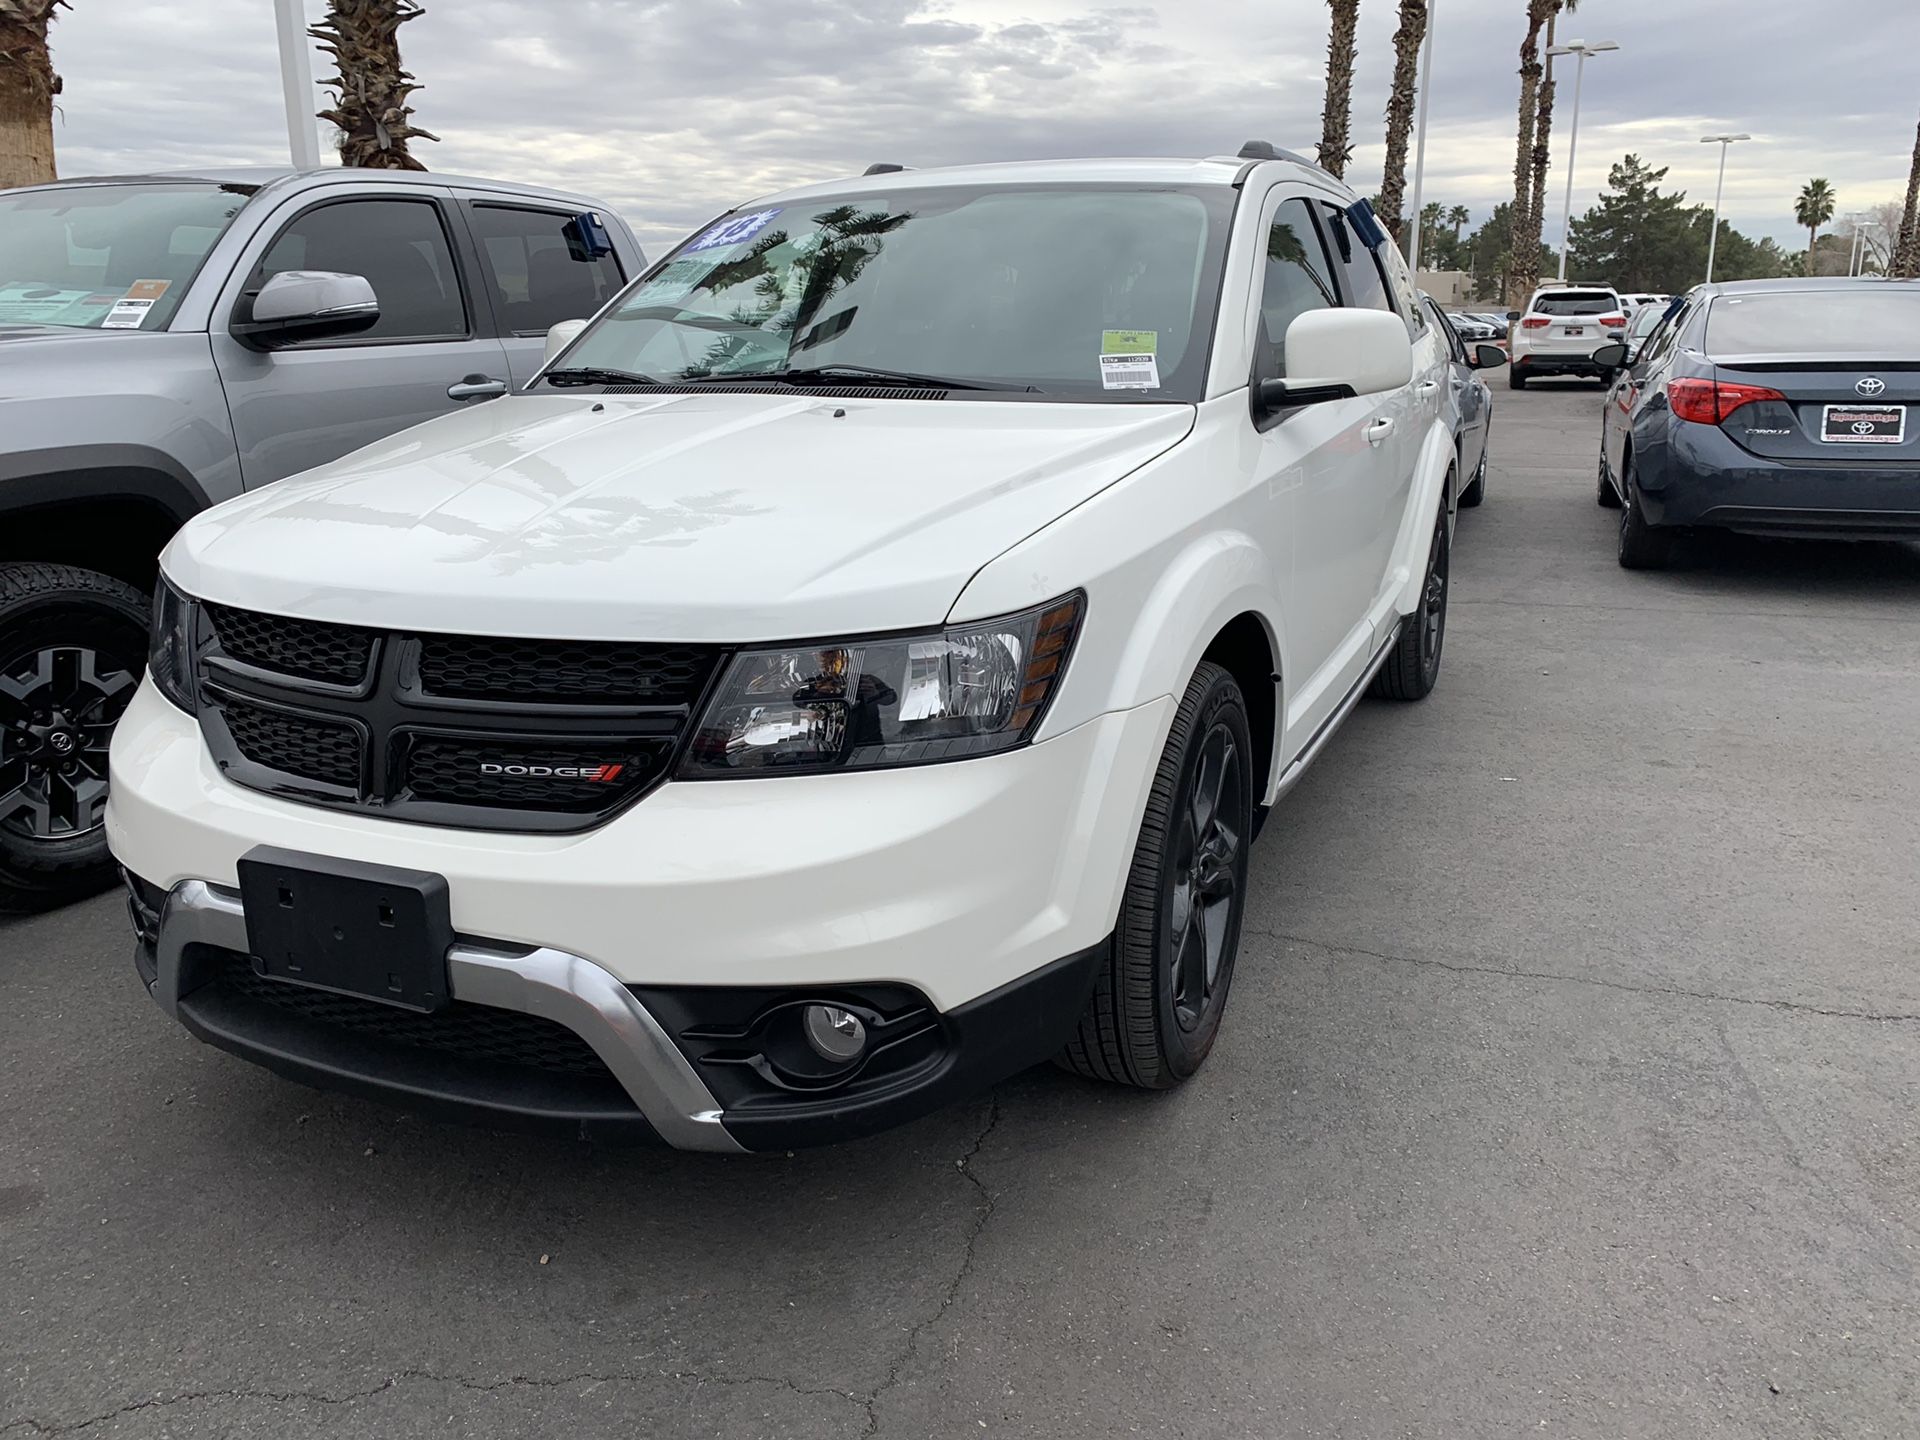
(673, 110)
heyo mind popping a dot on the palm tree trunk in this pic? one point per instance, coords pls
(27, 88)
(1525, 228)
(1336, 113)
(1813, 239)
(1406, 80)
(371, 88)
(1906, 253)
(1543, 133)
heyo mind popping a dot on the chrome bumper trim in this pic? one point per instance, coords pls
(553, 984)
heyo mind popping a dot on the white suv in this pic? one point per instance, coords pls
(853, 671)
(1561, 328)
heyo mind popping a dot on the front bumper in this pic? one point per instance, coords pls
(977, 894)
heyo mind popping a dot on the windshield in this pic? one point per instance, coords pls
(112, 257)
(1880, 318)
(1083, 292)
(1577, 302)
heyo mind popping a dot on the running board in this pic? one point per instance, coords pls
(1311, 751)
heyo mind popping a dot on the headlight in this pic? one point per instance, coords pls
(890, 700)
(170, 651)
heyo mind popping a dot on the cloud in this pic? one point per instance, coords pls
(673, 110)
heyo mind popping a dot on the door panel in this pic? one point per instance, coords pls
(304, 405)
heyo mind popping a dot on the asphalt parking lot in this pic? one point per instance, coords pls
(1569, 1089)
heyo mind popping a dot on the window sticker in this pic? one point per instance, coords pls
(733, 231)
(675, 280)
(1129, 360)
(129, 312)
(43, 304)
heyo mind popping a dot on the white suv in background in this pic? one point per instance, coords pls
(854, 670)
(1559, 331)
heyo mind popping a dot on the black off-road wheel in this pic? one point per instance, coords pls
(73, 645)
(1162, 986)
(1413, 666)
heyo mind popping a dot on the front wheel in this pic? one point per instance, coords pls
(1162, 985)
(1414, 664)
(72, 647)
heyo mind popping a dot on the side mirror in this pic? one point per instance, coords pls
(1513, 315)
(1610, 357)
(1335, 354)
(1488, 357)
(306, 305)
(561, 336)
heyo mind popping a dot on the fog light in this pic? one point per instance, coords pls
(835, 1034)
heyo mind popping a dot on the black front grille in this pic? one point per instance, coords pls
(475, 668)
(474, 1032)
(484, 733)
(338, 654)
(326, 751)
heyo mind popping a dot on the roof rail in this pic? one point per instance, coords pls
(883, 167)
(1266, 150)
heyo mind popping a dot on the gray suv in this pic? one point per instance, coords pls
(168, 341)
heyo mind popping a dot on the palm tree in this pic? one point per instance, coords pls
(1543, 124)
(1906, 251)
(1526, 220)
(371, 89)
(1336, 114)
(27, 88)
(1813, 209)
(1430, 223)
(1458, 217)
(1406, 79)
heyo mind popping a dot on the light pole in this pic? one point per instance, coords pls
(1420, 140)
(296, 83)
(1713, 236)
(1582, 49)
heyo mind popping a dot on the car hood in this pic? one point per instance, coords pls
(707, 517)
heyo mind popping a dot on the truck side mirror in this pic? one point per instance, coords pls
(300, 305)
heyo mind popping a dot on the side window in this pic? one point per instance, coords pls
(1366, 286)
(1296, 278)
(1661, 341)
(536, 276)
(400, 246)
(1444, 329)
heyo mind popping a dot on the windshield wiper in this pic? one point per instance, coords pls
(595, 375)
(826, 374)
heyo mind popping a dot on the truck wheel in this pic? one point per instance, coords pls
(1642, 546)
(73, 645)
(1162, 984)
(1414, 664)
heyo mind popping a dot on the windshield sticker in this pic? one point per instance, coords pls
(733, 231)
(129, 312)
(675, 280)
(1128, 360)
(45, 305)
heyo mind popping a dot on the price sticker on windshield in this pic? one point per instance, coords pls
(733, 231)
(1129, 360)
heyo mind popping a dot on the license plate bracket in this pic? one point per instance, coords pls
(371, 931)
(1863, 424)
(1574, 330)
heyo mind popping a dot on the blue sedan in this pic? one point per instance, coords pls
(1775, 407)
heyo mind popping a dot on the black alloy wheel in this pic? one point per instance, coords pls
(1413, 666)
(1204, 879)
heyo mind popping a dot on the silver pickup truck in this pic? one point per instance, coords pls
(168, 341)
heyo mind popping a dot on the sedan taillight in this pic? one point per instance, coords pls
(1535, 322)
(1709, 402)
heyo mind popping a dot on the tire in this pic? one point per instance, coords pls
(1476, 490)
(1642, 546)
(1413, 666)
(1608, 497)
(72, 649)
(1157, 1001)
(1515, 380)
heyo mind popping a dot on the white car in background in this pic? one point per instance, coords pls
(855, 669)
(1561, 328)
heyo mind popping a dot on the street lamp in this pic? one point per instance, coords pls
(1420, 141)
(1582, 49)
(1713, 236)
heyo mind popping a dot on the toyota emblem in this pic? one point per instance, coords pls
(1872, 385)
(1863, 427)
(61, 742)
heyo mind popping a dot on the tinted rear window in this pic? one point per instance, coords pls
(1577, 302)
(1879, 319)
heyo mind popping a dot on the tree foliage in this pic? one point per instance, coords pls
(1639, 238)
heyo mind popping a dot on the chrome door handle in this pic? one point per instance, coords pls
(1379, 430)
(477, 387)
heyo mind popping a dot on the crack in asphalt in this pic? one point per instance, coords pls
(983, 1213)
(1674, 991)
(869, 1402)
(316, 1397)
